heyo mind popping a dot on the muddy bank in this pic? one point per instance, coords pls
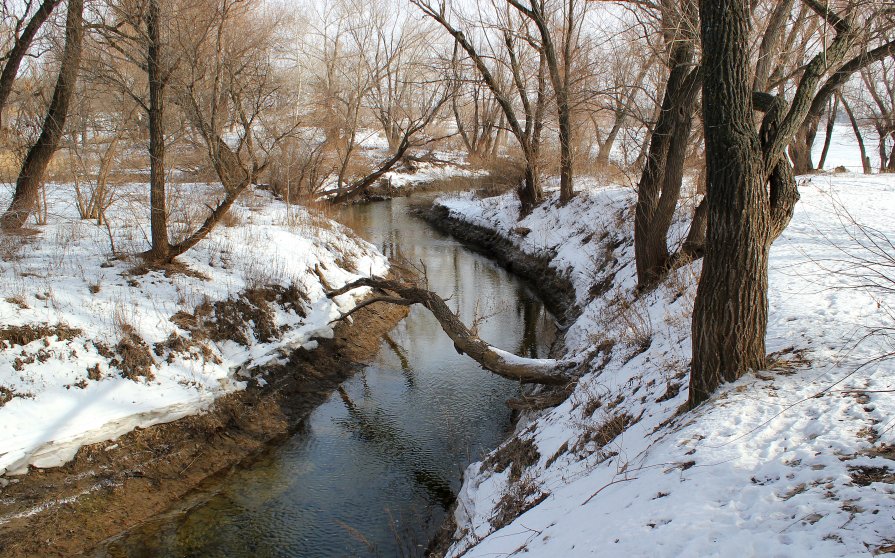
(553, 288)
(112, 486)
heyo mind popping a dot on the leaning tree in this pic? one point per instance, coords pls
(38, 158)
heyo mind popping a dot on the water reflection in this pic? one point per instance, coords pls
(373, 470)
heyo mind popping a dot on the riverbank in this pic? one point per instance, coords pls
(198, 366)
(779, 462)
(110, 487)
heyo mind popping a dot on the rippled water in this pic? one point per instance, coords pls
(373, 470)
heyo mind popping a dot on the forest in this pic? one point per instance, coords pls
(447, 278)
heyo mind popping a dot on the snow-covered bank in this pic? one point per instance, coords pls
(92, 348)
(787, 461)
(414, 173)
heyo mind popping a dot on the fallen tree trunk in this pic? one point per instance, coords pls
(502, 363)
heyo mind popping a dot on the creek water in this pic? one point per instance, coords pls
(372, 471)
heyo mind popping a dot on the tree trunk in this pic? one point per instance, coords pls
(865, 160)
(828, 136)
(883, 151)
(20, 48)
(660, 183)
(606, 146)
(38, 158)
(800, 148)
(731, 309)
(891, 166)
(566, 189)
(158, 212)
(530, 192)
(360, 186)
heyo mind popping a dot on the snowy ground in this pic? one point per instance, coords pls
(792, 461)
(67, 387)
(844, 150)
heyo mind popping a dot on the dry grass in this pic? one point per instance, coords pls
(520, 497)
(596, 436)
(235, 319)
(517, 454)
(629, 317)
(25, 334)
(132, 356)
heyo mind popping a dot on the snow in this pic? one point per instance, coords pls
(844, 150)
(770, 466)
(444, 166)
(66, 275)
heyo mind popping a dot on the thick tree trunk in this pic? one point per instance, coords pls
(530, 192)
(660, 184)
(800, 148)
(524, 370)
(731, 309)
(158, 212)
(20, 48)
(38, 158)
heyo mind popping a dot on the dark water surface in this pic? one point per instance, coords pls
(372, 470)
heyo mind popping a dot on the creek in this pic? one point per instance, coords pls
(373, 470)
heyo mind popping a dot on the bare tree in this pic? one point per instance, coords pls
(38, 158)
(872, 44)
(514, 59)
(859, 134)
(409, 128)
(24, 30)
(228, 88)
(660, 184)
(558, 58)
(477, 114)
(880, 86)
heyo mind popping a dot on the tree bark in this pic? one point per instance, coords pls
(158, 212)
(38, 158)
(828, 134)
(660, 184)
(865, 160)
(731, 309)
(524, 370)
(20, 48)
(744, 215)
